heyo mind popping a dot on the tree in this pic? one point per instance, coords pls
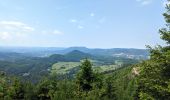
(154, 79)
(85, 77)
(46, 89)
(109, 88)
(29, 91)
(16, 90)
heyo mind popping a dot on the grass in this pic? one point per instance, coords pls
(105, 68)
(63, 67)
(66, 67)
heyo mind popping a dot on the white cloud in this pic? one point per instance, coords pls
(5, 36)
(145, 2)
(73, 21)
(80, 27)
(10, 30)
(52, 32)
(57, 32)
(92, 14)
(15, 25)
(77, 23)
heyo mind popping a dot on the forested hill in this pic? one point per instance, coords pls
(74, 55)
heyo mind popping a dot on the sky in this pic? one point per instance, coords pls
(89, 23)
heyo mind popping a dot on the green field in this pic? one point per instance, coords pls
(105, 68)
(66, 67)
(63, 67)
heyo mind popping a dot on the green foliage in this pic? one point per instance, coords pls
(102, 86)
(17, 90)
(89, 84)
(85, 77)
(125, 83)
(46, 89)
(11, 88)
(109, 89)
(66, 90)
(154, 78)
(30, 93)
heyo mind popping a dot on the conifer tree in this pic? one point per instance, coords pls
(86, 76)
(154, 79)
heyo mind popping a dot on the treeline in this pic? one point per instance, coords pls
(88, 85)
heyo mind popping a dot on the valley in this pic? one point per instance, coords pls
(33, 68)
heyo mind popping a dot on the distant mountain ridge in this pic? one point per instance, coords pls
(114, 52)
(47, 51)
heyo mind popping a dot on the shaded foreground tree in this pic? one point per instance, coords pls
(91, 85)
(85, 77)
(109, 89)
(154, 78)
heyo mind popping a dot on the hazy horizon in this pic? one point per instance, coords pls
(66, 47)
(91, 24)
